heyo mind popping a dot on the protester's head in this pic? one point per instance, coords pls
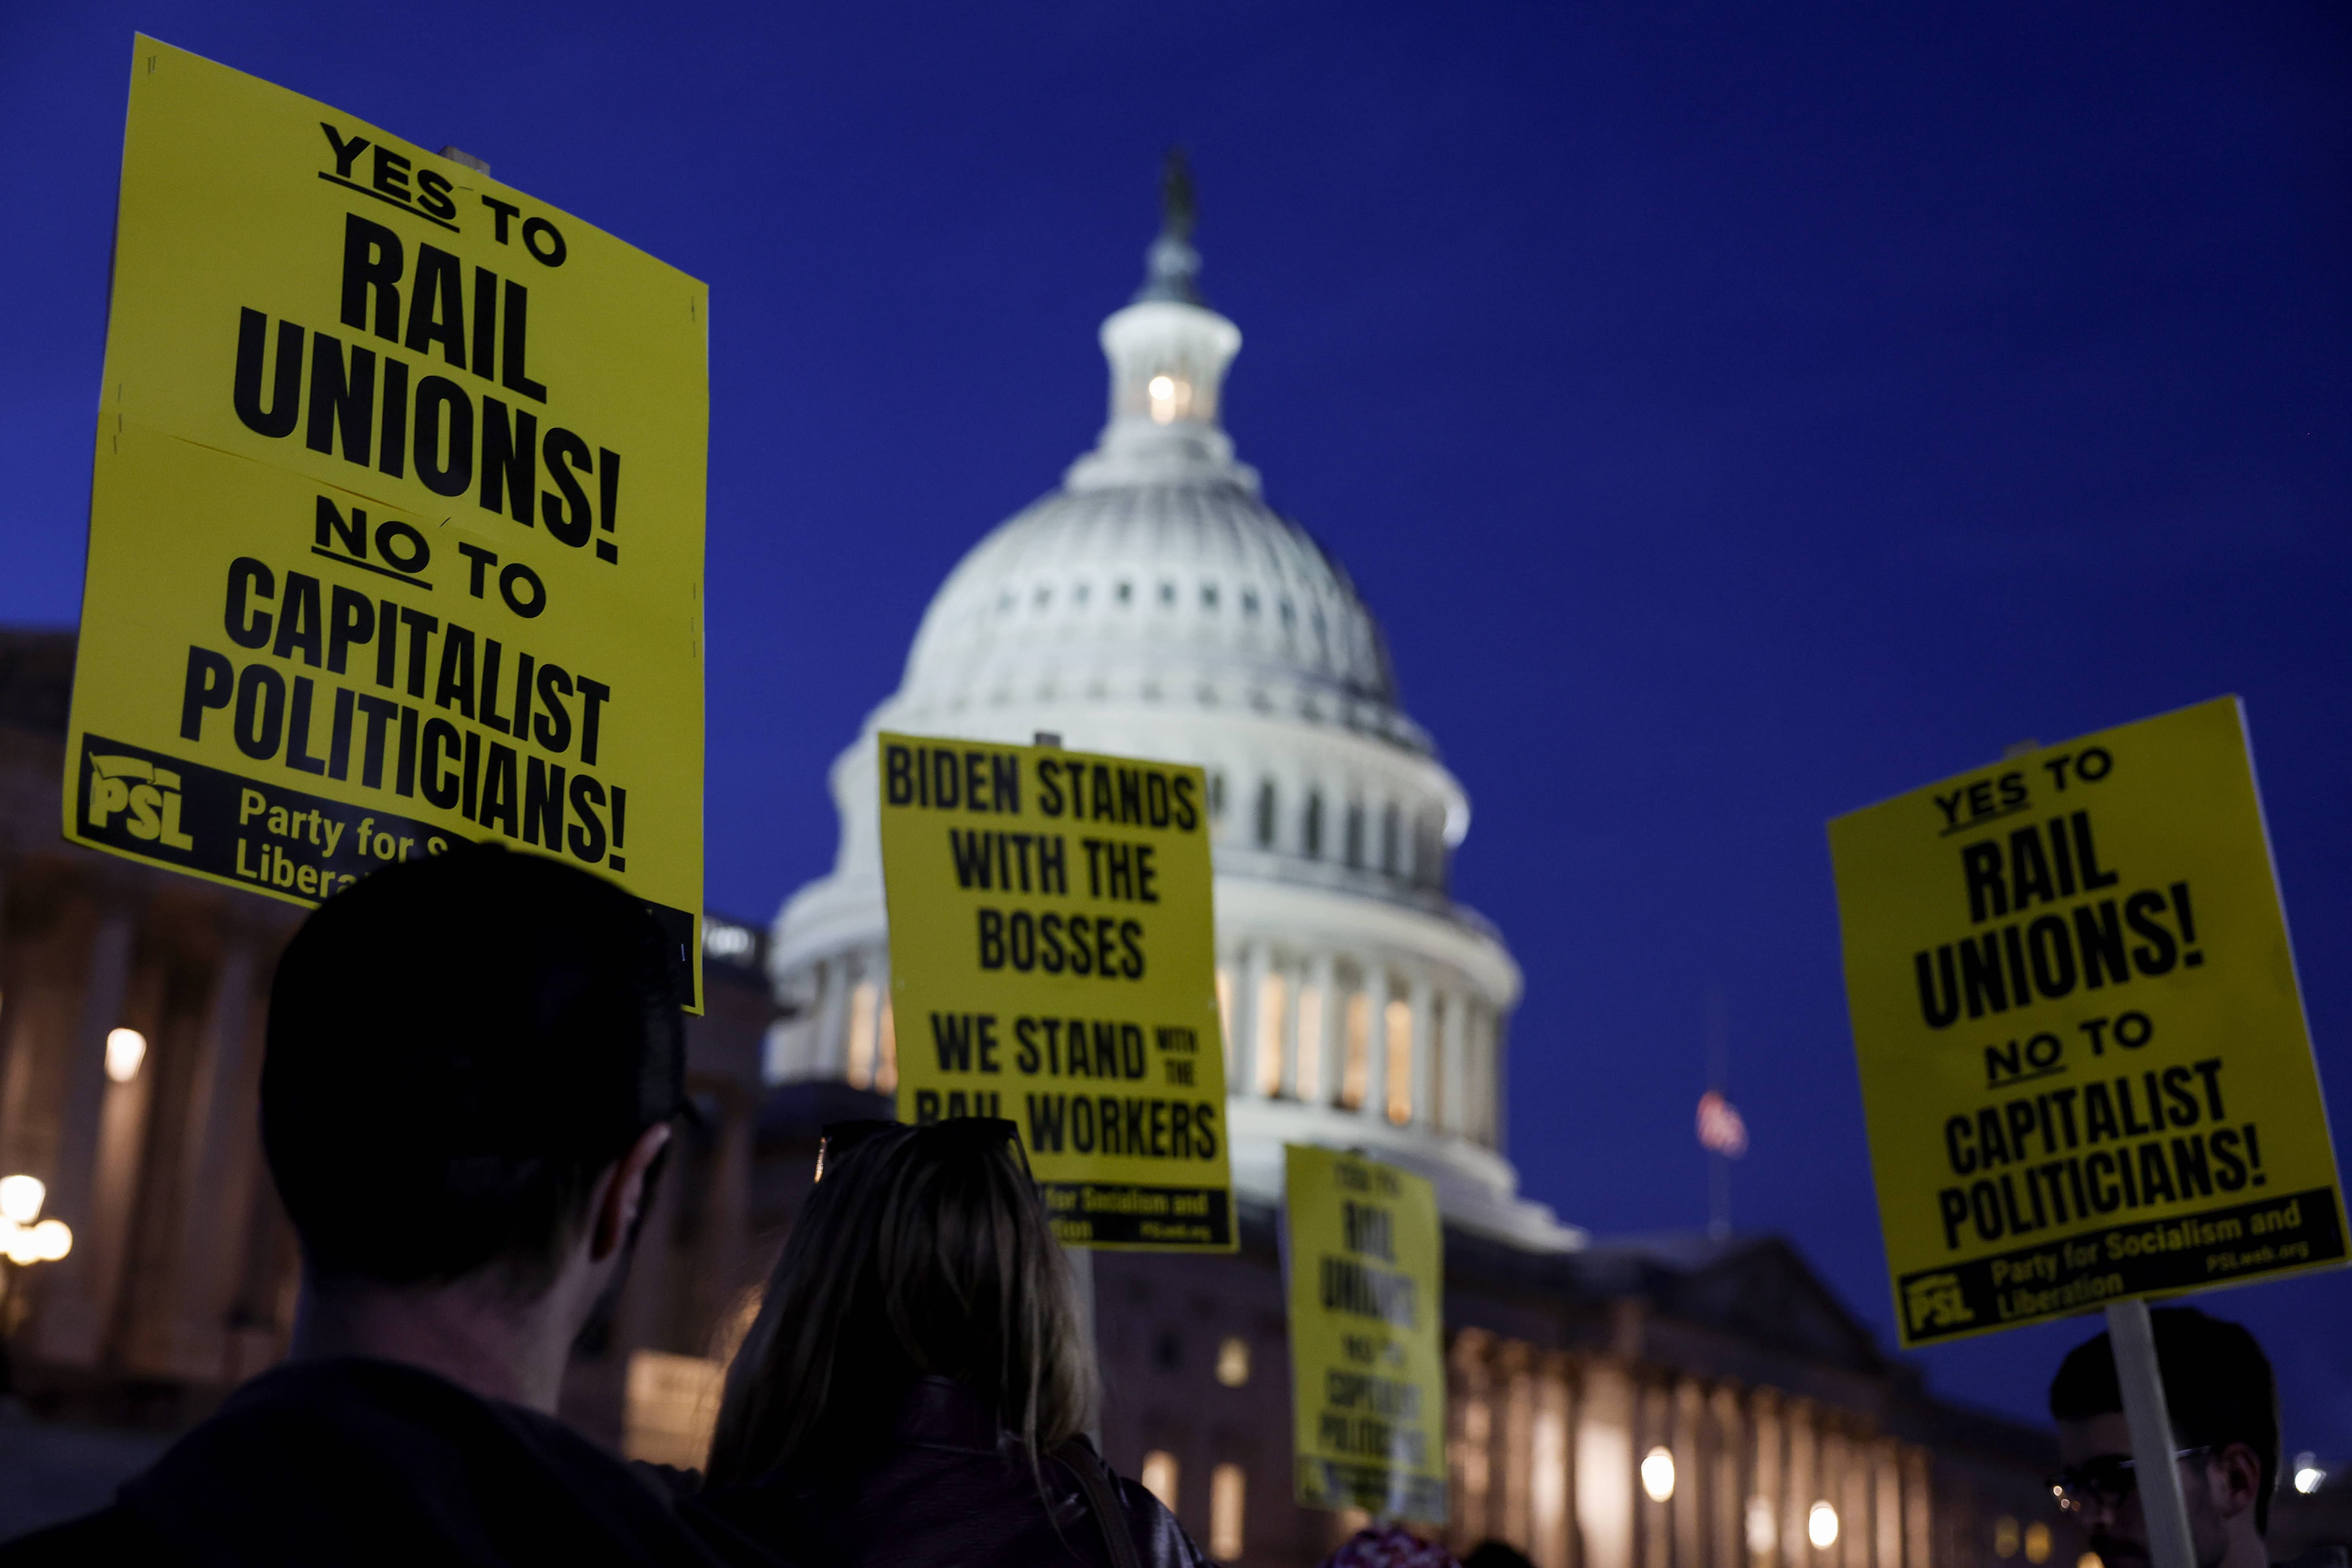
(2224, 1407)
(462, 1050)
(1496, 1555)
(923, 1251)
(1394, 1546)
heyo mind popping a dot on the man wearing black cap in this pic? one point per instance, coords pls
(473, 1065)
(2223, 1403)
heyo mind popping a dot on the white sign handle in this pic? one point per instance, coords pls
(2133, 1339)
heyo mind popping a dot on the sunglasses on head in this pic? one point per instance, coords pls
(980, 1131)
(2105, 1479)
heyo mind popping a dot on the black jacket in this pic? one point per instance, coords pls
(952, 1488)
(355, 1463)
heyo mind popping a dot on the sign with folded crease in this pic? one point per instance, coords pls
(2084, 1063)
(396, 518)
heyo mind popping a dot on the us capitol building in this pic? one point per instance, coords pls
(1660, 1402)
(1671, 1402)
(1155, 606)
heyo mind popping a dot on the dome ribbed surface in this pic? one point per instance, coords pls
(1166, 591)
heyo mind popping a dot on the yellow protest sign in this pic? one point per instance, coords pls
(1053, 960)
(2084, 1057)
(396, 518)
(1365, 1253)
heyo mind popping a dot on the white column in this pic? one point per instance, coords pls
(1729, 1507)
(220, 1115)
(1605, 1466)
(835, 975)
(1552, 1464)
(1478, 1065)
(1294, 1024)
(1886, 1505)
(70, 1319)
(1497, 1081)
(1328, 1033)
(1919, 1509)
(1243, 1083)
(1375, 1039)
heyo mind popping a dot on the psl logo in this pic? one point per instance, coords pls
(1936, 1301)
(149, 793)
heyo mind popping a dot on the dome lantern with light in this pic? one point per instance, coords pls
(1155, 606)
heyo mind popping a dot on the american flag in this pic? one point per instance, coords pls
(1720, 1127)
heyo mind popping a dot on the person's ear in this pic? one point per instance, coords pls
(2237, 1479)
(624, 1194)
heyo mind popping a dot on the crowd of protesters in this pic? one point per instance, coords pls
(473, 1069)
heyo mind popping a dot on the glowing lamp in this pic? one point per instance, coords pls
(125, 1049)
(1658, 1475)
(21, 1198)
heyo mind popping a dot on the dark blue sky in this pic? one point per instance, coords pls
(1735, 413)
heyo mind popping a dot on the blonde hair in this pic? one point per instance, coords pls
(923, 1251)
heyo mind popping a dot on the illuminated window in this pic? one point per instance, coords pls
(1228, 1487)
(125, 1049)
(1232, 1361)
(1311, 1043)
(1355, 1069)
(864, 1005)
(1172, 398)
(2090, 1560)
(2037, 1543)
(1399, 1017)
(885, 1071)
(670, 1405)
(1822, 1526)
(1273, 995)
(1159, 1477)
(721, 940)
(2004, 1536)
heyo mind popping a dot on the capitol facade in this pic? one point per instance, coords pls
(1155, 606)
(1678, 1401)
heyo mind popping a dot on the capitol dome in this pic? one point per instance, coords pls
(1155, 606)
